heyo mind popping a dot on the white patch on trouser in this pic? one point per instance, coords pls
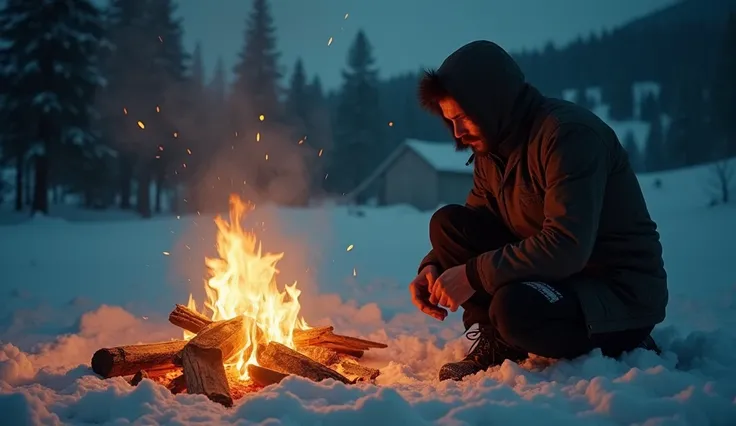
(545, 290)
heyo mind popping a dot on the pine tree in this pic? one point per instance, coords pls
(128, 86)
(724, 91)
(633, 151)
(655, 158)
(197, 71)
(50, 66)
(687, 141)
(358, 127)
(649, 108)
(257, 75)
(147, 74)
(298, 100)
(217, 85)
(256, 94)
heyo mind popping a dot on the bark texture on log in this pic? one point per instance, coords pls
(188, 319)
(338, 340)
(128, 360)
(228, 337)
(194, 322)
(204, 373)
(322, 355)
(302, 336)
(357, 372)
(204, 357)
(265, 376)
(285, 360)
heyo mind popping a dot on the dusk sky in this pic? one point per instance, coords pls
(405, 34)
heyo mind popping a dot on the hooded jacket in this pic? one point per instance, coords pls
(557, 176)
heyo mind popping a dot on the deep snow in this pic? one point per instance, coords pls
(70, 287)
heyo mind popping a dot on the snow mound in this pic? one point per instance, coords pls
(693, 383)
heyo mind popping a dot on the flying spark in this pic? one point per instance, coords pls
(141, 125)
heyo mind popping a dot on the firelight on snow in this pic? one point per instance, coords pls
(243, 282)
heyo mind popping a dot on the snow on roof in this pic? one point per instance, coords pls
(442, 156)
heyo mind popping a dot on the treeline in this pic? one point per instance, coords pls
(107, 106)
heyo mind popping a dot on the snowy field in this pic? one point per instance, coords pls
(70, 287)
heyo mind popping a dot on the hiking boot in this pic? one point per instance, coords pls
(487, 351)
(650, 345)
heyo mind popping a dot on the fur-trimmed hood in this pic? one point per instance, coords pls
(489, 86)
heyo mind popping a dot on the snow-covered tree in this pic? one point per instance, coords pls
(49, 63)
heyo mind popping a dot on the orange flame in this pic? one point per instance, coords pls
(243, 282)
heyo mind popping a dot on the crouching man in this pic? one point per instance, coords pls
(554, 252)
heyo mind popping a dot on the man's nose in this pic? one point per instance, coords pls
(459, 131)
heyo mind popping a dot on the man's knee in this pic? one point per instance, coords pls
(538, 318)
(510, 314)
(443, 219)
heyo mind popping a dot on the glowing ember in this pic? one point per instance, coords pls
(141, 125)
(243, 282)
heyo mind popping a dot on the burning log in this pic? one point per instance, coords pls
(356, 372)
(301, 337)
(322, 355)
(188, 319)
(194, 322)
(177, 385)
(204, 356)
(265, 376)
(288, 361)
(128, 360)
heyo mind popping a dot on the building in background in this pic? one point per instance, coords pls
(422, 174)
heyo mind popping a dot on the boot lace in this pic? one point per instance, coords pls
(484, 344)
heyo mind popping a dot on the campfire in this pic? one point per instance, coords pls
(252, 338)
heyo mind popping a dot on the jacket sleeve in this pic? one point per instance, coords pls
(576, 170)
(475, 200)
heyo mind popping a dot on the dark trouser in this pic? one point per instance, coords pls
(541, 318)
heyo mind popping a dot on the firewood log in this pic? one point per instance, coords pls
(192, 321)
(188, 319)
(302, 336)
(177, 385)
(204, 356)
(356, 372)
(322, 355)
(288, 361)
(128, 360)
(264, 376)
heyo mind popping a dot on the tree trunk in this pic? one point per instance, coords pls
(126, 178)
(143, 202)
(159, 188)
(40, 189)
(19, 183)
(27, 193)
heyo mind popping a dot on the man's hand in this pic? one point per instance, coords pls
(419, 289)
(452, 288)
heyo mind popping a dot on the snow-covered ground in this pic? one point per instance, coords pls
(71, 287)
